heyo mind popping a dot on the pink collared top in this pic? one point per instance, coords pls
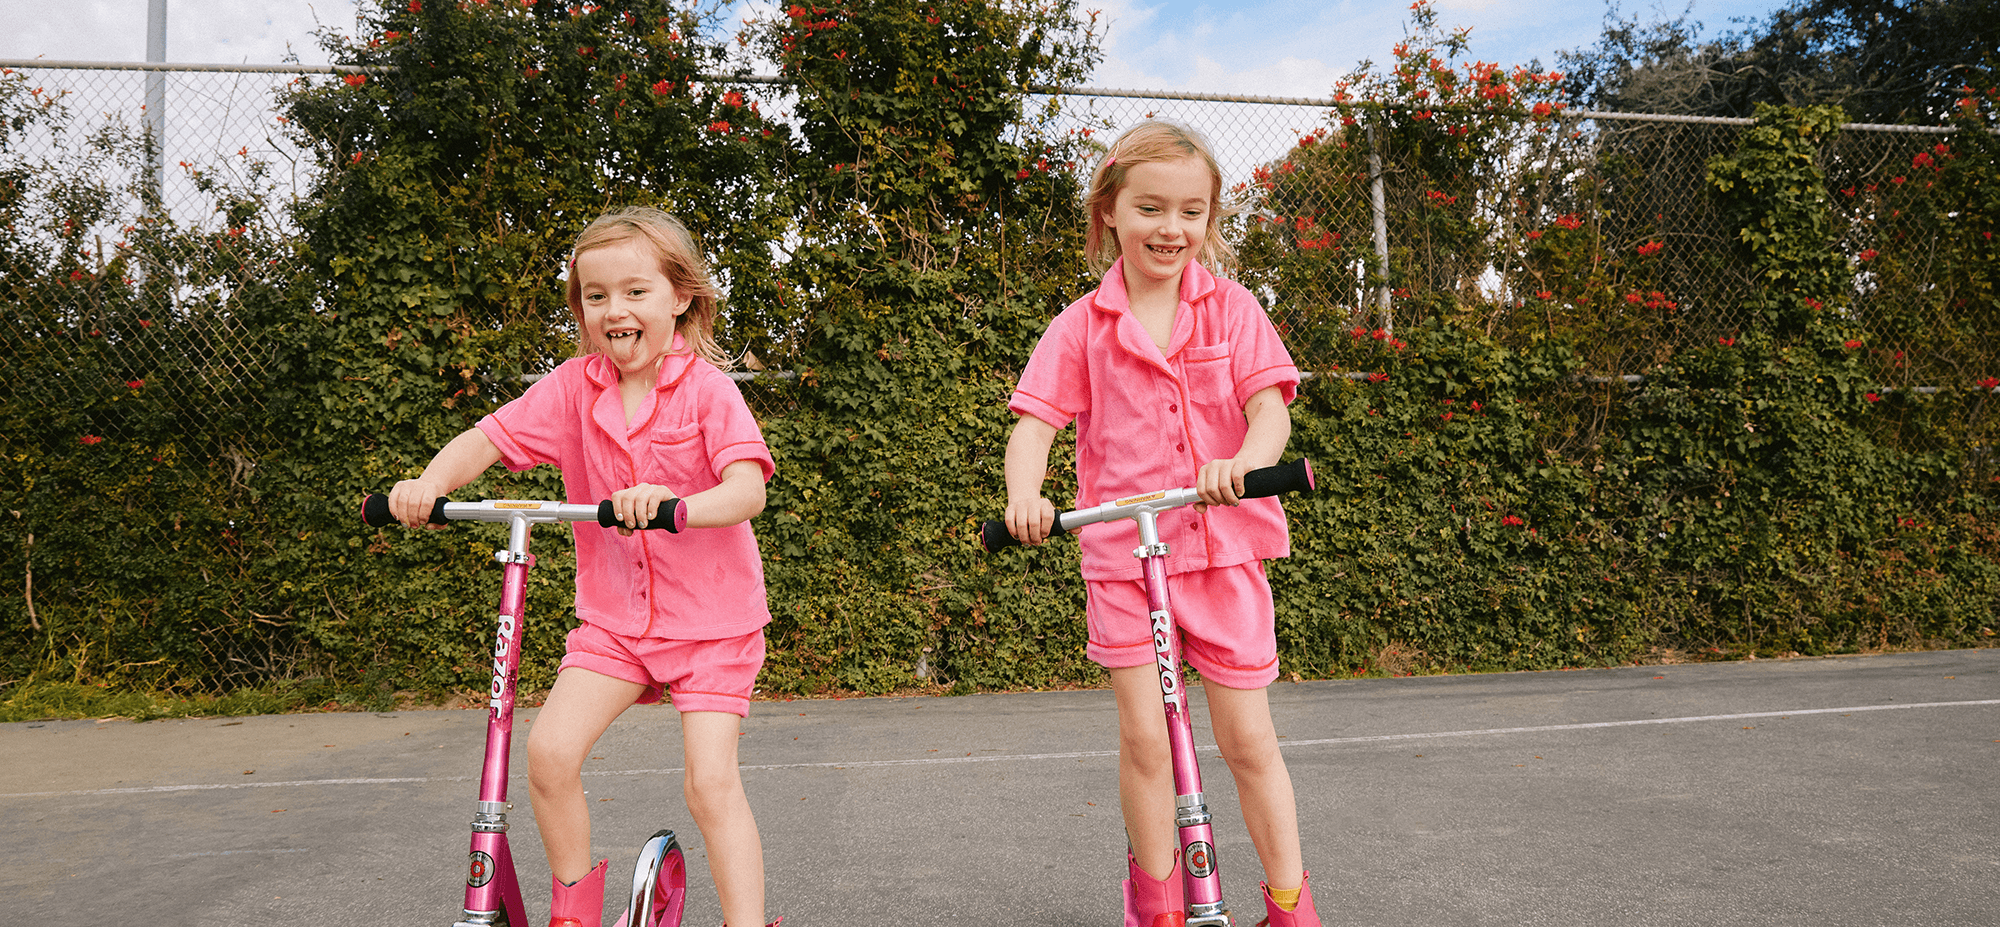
(700, 584)
(1147, 419)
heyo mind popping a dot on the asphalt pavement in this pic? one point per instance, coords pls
(1843, 791)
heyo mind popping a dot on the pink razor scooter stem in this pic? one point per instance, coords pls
(1197, 839)
(491, 886)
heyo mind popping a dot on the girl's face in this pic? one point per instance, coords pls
(630, 308)
(1161, 218)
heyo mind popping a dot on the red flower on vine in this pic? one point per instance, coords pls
(354, 80)
(1990, 383)
(1873, 397)
(663, 88)
(1378, 377)
(91, 439)
(1850, 344)
(1726, 342)
(1569, 221)
(1512, 521)
(1650, 248)
(1869, 254)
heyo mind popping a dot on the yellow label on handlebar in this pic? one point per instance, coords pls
(517, 505)
(1162, 494)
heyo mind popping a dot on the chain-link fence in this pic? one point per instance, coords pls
(150, 252)
(1383, 239)
(137, 232)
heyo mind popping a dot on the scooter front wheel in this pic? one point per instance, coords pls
(659, 884)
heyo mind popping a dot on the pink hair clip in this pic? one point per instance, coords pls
(1110, 160)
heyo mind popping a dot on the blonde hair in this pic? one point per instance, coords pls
(680, 261)
(1153, 141)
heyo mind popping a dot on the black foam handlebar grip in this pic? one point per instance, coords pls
(993, 535)
(375, 511)
(1296, 476)
(676, 519)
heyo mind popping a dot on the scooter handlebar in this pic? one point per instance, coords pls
(1296, 476)
(671, 514)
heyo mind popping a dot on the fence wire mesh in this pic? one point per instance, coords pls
(1665, 272)
(138, 235)
(150, 257)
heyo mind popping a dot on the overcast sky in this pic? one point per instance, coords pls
(1269, 47)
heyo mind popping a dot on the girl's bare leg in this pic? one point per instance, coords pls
(580, 706)
(715, 797)
(1249, 742)
(1145, 771)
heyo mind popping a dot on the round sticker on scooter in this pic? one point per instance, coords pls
(481, 871)
(1200, 859)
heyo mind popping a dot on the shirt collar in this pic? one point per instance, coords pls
(1196, 284)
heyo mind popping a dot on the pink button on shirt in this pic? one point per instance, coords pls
(1147, 420)
(700, 584)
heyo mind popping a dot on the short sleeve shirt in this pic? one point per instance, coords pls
(699, 584)
(1148, 419)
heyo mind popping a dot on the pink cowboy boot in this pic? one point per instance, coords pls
(1151, 902)
(1301, 914)
(582, 904)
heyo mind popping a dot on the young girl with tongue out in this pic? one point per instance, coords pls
(641, 416)
(1171, 375)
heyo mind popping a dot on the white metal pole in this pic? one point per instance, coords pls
(1377, 203)
(156, 91)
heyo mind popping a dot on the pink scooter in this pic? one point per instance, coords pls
(1203, 883)
(492, 890)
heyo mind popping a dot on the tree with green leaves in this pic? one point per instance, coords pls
(940, 228)
(1888, 61)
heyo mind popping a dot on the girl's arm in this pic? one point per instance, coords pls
(1029, 514)
(1220, 482)
(461, 462)
(738, 498)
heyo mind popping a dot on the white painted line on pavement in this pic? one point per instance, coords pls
(1025, 757)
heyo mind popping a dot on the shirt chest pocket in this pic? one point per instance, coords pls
(1205, 369)
(677, 458)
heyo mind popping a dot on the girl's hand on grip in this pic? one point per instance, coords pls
(1220, 482)
(410, 501)
(1029, 520)
(636, 506)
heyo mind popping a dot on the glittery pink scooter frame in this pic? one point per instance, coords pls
(492, 889)
(1191, 817)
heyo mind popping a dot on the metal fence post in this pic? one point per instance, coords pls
(156, 95)
(1378, 204)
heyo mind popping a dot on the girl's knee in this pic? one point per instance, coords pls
(1250, 755)
(713, 789)
(551, 762)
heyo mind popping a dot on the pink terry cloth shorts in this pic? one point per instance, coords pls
(1227, 623)
(716, 675)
